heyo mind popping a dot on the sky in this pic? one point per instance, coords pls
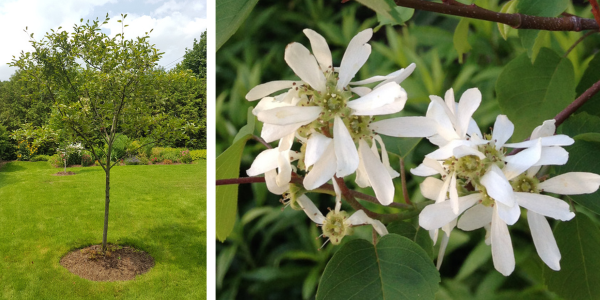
(175, 22)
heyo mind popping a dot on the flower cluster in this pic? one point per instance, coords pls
(488, 187)
(332, 117)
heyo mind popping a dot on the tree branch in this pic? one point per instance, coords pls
(519, 21)
(595, 10)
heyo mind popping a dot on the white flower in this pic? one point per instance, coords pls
(276, 165)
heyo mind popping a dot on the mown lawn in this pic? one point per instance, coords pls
(160, 209)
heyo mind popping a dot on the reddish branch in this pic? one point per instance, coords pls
(520, 21)
(595, 10)
(581, 100)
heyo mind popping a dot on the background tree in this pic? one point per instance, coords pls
(97, 83)
(195, 59)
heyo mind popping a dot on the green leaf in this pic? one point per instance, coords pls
(478, 256)
(230, 15)
(461, 42)
(385, 8)
(590, 76)
(580, 123)
(228, 166)
(532, 40)
(530, 94)
(583, 157)
(396, 268)
(405, 15)
(578, 241)
(417, 235)
(508, 8)
(400, 146)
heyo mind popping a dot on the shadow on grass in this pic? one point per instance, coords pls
(181, 245)
(10, 167)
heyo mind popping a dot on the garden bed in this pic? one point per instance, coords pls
(118, 263)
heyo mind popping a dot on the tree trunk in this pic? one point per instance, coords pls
(106, 199)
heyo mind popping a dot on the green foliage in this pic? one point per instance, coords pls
(417, 235)
(195, 59)
(461, 42)
(7, 149)
(230, 15)
(86, 159)
(132, 160)
(40, 158)
(198, 154)
(56, 161)
(362, 270)
(119, 147)
(529, 94)
(590, 76)
(532, 40)
(578, 241)
(186, 157)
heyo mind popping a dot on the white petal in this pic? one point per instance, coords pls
(385, 158)
(436, 215)
(345, 150)
(463, 150)
(271, 132)
(498, 187)
(360, 90)
(386, 109)
(289, 115)
(272, 186)
(264, 161)
(453, 193)
(555, 140)
(433, 234)
(520, 162)
(286, 142)
(443, 191)
(502, 250)
(469, 102)
(362, 178)
(449, 100)
(441, 113)
(310, 209)
(503, 130)
(284, 168)
(268, 88)
(315, 147)
(361, 218)
(544, 241)
(572, 183)
(322, 171)
(305, 66)
(267, 103)
(545, 205)
(473, 128)
(320, 49)
(546, 129)
(338, 196)
(476, 217)
(442, 250)
(397, 77)
(423, 170)
(379, 178)
(447, 150)
(356, 55)
(405, 127)
(430, 188)
(378, 97)
(553, 156)
(510, 215)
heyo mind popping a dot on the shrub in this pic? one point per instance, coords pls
(144, 160)
(86, 160)
(40, 158)
(186, 158)
(174, 156)
(7, 149)
(198, 154)
(56, 161)
(156, 159)
(74, 158)
(25, 150)
(168, 162)
(132, 160)
(119, 148)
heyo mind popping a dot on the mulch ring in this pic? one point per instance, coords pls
(119, 263)
(62, 173)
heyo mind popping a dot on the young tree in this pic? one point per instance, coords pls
(96, 82)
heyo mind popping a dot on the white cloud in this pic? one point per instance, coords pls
(175, 23)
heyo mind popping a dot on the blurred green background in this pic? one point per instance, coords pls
(273, 252)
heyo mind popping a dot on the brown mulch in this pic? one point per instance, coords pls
(118, 264)
(62, 173)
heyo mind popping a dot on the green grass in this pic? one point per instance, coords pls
(160, 209)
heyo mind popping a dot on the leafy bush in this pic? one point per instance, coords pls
(86, 160)
(186, 158)
(132, 160)
(119, 148)
(74, 158)
(156, 159)
(7, 149)
(144, 160)
(174, 156)
(40, 158)
(56, 161)
(168, 162)
(25, 150)
(198, 154)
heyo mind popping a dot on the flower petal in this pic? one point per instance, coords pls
(345, 150)
(544, 241)
(315, 147)
(397, 77)
(546, 129)
(356, 55)
(469, 102)
(572, 183)
(320, 49)
(463, 150)
(271, 132)
(284, 168)
(379, 178)
(436, 215)
(475, 217)
(289, 115)
(264, 161)
(360, 218)
(322, 171)
(545, 205)
(405, 127)
(267, 103)
(387, 109)
(453, 193)
(361, 90)
(498, 187)
(553, 156)
(502, 250)
(442, 250)
(378, 97)
(305, 66)
(510, 215)
(272, 186)
(384, 157)
(447, 150)
(424, 170)
(555, 140)
(520, 162)
(310, 209)
(449, 100)
(430, 188)
(503, 130)
(268, 88)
